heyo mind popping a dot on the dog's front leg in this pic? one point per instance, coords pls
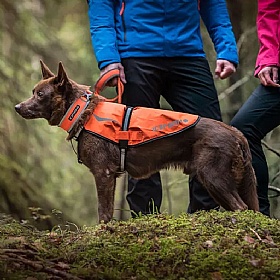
(105, 185)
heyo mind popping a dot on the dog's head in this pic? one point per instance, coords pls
(51, 97)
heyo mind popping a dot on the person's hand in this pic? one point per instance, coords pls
(113, 82)
(269, 76)
(224, 68)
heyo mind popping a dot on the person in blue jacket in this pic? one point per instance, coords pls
(157, 46)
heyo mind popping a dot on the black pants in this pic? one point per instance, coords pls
(187, 85)
(259, 115)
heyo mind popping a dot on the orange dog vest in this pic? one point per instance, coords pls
(137, 125)
(127, 126)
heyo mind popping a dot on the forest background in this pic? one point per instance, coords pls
(40, 176)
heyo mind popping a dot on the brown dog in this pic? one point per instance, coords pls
(217, 154)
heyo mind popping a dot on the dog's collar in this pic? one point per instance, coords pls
(74, 112)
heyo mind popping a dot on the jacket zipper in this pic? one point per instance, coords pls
(123, 21)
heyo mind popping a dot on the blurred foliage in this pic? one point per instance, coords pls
(53, 31)
(38, 167)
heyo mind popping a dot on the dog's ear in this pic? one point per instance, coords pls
(61, 79)
(46, 72)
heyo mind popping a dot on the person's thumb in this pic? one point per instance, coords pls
(275, 74)
(122, 75)
(218, 69)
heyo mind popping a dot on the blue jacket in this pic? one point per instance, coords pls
(158, 28)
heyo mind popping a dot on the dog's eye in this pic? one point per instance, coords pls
(39, 93)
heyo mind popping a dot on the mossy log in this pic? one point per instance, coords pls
(207, 245)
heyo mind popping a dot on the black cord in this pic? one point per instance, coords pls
(73, 147)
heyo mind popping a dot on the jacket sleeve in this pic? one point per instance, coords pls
(102, 30)
(215, 16)
(268, 20)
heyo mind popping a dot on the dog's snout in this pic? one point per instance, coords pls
(17, 107)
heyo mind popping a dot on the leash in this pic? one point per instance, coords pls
(101, 84)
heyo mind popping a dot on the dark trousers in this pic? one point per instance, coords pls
(187, 85)
(259, 115)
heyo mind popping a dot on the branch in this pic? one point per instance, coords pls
(270, 148)
(236, 85)
(276, 153)
(244, 36)
(13, 256)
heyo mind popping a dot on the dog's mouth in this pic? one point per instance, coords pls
(25, 112)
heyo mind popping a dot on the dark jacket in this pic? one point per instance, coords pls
(158, 28)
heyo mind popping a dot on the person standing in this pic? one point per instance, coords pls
(158, 49)
(260, 114)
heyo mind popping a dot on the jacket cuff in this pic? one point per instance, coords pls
(106, 56)
(232, 59)
(259, 67)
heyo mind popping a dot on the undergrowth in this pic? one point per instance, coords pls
(206, 245)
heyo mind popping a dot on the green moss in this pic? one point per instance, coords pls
(205, 245)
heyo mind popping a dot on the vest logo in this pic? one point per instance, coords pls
(75, 111)
(169, 125)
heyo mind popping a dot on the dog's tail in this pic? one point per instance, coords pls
(248, 186)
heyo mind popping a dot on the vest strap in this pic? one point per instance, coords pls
(123, 143)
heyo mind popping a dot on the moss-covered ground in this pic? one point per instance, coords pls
(206, 245)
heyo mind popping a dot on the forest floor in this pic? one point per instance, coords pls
(206, 245)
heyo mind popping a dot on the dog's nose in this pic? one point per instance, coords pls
(17, 107)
